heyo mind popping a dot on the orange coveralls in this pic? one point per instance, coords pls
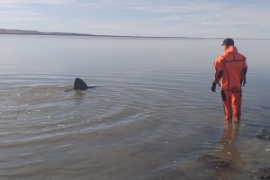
(231, 68)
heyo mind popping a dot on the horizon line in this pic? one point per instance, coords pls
(35, 32)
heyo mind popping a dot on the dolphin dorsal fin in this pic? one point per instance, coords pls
(79, 84)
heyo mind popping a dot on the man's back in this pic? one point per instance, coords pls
(232, 64)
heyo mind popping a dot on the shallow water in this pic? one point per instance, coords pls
(151, 116)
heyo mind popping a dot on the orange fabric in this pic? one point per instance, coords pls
(232, 103)
(231, 64)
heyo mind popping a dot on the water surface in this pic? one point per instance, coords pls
(152, 115)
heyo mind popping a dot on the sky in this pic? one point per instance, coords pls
(181, 18)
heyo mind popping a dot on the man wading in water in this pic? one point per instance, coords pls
(230, 70)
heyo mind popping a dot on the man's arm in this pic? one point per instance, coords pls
(218, 66)
(244, 72)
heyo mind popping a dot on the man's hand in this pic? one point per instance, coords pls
(213, 87)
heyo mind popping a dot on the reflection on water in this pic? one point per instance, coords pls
(229, 163)
(79, 96)
(229, 152)
(152, 115)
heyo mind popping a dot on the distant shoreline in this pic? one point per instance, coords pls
(29, 32)
(33, 32)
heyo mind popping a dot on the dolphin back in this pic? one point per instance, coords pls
(79, 84)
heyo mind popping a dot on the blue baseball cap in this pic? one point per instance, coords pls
(228, 42)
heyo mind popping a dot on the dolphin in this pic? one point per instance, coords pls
(79, 84)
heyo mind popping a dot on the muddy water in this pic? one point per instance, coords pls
(151, 116)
